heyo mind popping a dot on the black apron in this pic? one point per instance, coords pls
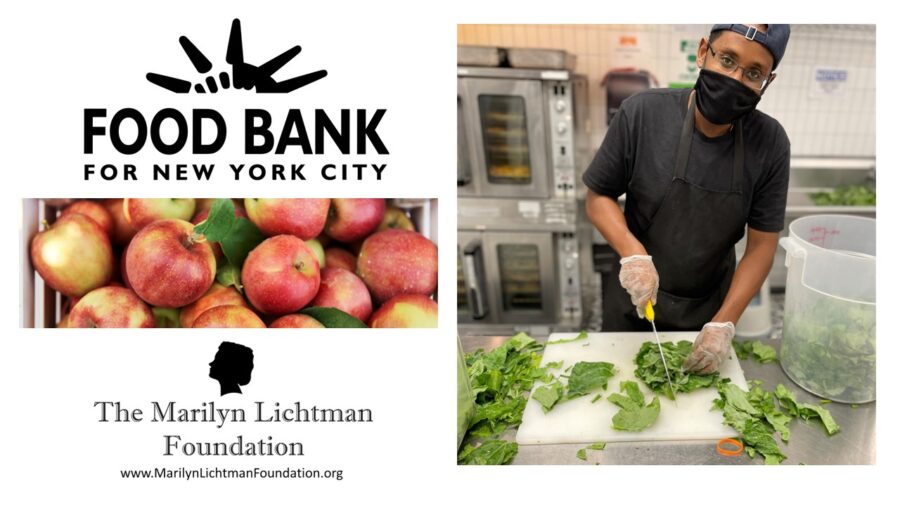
(691, 238)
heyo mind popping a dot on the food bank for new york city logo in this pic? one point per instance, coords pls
(244, 76)
(315, 132)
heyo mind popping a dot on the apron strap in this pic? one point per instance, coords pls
(738, 175)
(684, 149)
(684, 142)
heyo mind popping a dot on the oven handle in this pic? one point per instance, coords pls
(464, 176)
(473, 264)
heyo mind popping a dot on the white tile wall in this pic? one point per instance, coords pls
(818, 125)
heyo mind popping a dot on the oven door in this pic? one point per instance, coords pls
(521, 277)
(506, 123)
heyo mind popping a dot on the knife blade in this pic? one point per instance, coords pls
(651, 316)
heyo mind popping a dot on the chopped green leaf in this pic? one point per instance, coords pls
(824, 401)
(500, 380)
(633, 415)
(806, 411)
(754, 415)
(548, 395)
(652, 371)
(581, 335)
(582, 453)
(553, 365)
(589, 376)
(596, 398)
(742, 349)
(763, 353)
(492, 452)
(810, 411)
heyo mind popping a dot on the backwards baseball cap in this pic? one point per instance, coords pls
(775, 38)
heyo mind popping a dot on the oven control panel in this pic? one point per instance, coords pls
(569, 278)
(562, 138)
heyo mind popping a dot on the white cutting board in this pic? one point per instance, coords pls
(580, 421)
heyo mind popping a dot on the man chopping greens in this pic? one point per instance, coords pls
(697, 167)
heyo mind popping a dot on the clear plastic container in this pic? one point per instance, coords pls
(465, 399)
(829, 310)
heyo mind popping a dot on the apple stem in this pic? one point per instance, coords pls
(46, 224)
(195, 238)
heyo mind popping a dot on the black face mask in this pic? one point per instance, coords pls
(722, 99)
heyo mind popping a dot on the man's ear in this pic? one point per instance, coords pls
(701, 51)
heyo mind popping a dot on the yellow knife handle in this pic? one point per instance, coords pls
(648, 311)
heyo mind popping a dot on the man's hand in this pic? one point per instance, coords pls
(710, 348)
(639, 278)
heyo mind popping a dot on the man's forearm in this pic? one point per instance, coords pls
(749, 276)
(606, 215)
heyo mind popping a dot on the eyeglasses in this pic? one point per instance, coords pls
(752, 77)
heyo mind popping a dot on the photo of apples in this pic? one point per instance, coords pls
(230, 263)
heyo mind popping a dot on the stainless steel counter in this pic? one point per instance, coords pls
(854, 444)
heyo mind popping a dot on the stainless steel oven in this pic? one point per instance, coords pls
(517, 266)
(517, 132)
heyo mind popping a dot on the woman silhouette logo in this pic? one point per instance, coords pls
(231, 367)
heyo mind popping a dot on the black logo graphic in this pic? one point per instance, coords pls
(231, 367)
(245, 76)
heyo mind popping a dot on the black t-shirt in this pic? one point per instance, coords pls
(640, 148)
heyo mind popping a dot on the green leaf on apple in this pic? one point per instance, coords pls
(166, 318)
(333, 318)
(237, 236)
(229, 275)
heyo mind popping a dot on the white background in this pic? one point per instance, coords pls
(59, 60)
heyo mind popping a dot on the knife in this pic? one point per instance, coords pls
(650, 315)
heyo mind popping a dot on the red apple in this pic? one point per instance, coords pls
(341, 289)
(94, 211)
(340, 258)
(396, 218)
(281, 275)
(122, 231)
(406, 311)
(123, 270)
(217, 295)
(352, 219)
(394, 262)
(142, 212)
(168, 265)
(319, 251)
(296, 321)
(73, 256)
(111, 307)
(231, 317)
(304, 218)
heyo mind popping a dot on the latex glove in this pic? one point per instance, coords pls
(639, 278)
(710, 348)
